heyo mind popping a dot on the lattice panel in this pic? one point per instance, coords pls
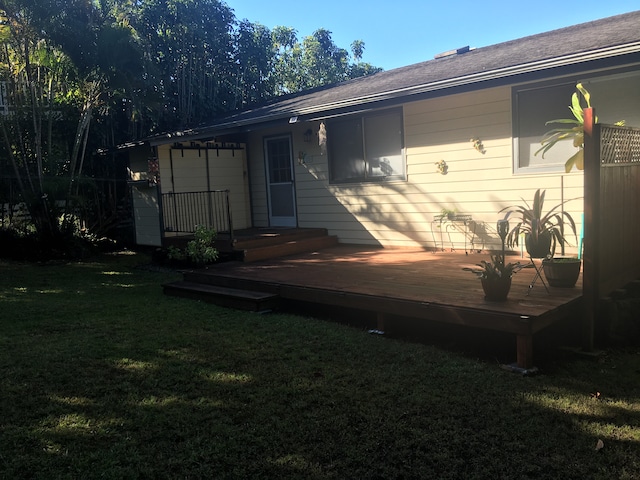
(619, 145)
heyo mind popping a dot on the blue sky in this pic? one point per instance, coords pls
(402, 32)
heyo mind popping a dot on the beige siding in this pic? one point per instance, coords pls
(402, 213)
(258, 182)
(146, 215)
(226, 169)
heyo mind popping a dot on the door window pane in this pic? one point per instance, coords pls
(279, 160)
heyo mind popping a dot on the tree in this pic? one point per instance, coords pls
(360, 69)
(288, 59)
(315, 62)
(188, 47)
(323, 62)
(52, 100)
(83, 74)
(255, 58)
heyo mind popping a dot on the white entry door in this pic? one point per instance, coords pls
(280, 185)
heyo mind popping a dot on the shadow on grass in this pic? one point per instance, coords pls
(103, 377)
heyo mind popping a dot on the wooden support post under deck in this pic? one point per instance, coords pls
(525, 351)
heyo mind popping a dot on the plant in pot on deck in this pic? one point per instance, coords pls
(495, 275)
(543, 232)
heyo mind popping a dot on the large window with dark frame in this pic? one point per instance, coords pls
(533, 107)
(366, 148)
(615, 97)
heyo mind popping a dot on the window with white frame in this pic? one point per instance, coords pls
(615, 97)
(367, 148)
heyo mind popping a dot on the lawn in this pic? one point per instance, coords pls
(101, 376)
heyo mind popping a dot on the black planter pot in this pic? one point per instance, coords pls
(496, 290)
(562, 272)
(539, 248)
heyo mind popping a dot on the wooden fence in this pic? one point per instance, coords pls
(612, 214)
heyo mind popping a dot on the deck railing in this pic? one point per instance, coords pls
(183, 212)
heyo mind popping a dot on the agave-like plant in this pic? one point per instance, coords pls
(496, 268)
(575, 132)
(535, 222)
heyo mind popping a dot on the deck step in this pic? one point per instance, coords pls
(223, 296)
(275, 236)
(299, 245)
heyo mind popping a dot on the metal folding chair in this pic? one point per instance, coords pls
(537, 276)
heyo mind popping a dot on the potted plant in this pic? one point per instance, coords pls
(495, 276)
(448, 213)
(574, 130)
(543, 230)
(562, 272)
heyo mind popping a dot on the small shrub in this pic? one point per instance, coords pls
(199, 251)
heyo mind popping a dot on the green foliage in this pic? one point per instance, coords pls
(83, 75)
(496, 268)
(534, 220)
(575, 130)
(200, 250)
(20, 240)
(315, 61)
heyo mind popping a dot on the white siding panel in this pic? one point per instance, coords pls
(227, 169)
(146, 216)
(258, 182)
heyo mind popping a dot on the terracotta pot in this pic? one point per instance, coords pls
(539, 248)
(562, 272)
(496, 290)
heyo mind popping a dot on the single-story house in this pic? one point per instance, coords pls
(378, 159)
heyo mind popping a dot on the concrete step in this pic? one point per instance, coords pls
(223, 296)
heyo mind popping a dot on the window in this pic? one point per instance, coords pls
(615, 97)
(533, 107)
(366, 148)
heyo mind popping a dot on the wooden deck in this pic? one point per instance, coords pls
(410, 283)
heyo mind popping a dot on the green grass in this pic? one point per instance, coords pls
(101, 376)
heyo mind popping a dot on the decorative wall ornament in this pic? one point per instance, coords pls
(477, 144)
(442, 167)
(301, 157)
(322, 138)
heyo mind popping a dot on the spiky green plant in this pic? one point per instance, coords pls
(496, 268)
(574, 131)
(536, 222)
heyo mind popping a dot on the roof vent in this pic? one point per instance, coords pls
(457, 51)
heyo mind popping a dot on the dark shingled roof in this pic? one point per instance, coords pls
(592, 41)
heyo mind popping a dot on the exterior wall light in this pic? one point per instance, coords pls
(307, 135)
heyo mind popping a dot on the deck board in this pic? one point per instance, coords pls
(407, 282)
(408, 274)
